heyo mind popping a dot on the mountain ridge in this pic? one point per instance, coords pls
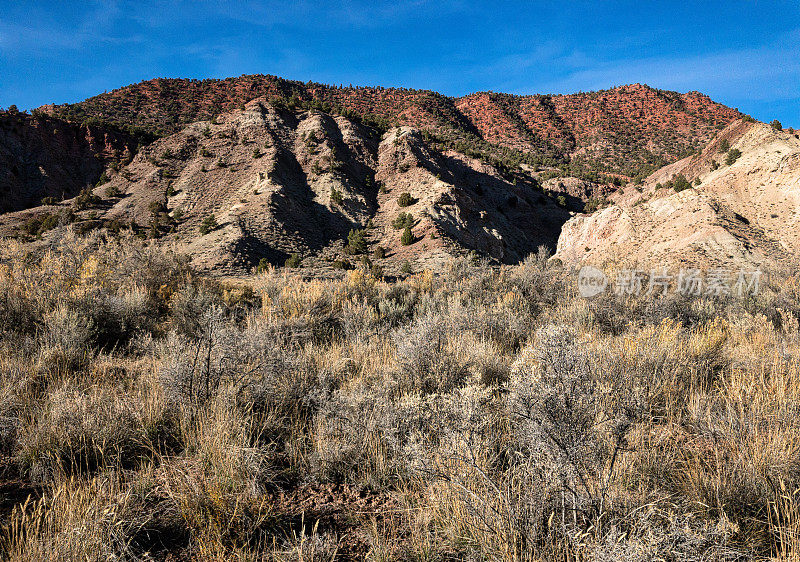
(547, 128)
(396, 178)
(278, 183)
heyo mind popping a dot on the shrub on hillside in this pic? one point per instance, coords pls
(209, 224)
(680, 183)
(113, 191)
(102, 180)
(732, 156)
(188, 310)
(405, 199)
(557, 409)
(263, 265)
(342, 264)
(403, 220)
(432, 356)
(356, 241)
(66, 341)
(408, 237)
(593, 204)
(40, 224)
(85, 199)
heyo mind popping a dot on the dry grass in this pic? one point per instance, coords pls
(475, 415)
(76, 520)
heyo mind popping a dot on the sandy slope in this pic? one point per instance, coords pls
(744, 213)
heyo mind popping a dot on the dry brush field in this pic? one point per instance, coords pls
(482, 414)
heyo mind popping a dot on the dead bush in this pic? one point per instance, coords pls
(431, 356)
(66, 340)
(558, 403)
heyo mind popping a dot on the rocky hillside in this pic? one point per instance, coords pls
(630, 130)
(736, 202)
(624, 130)
(266, 182)
(46, 157)
(257, 169)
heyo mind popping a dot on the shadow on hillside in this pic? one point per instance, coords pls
(571, 202)
(251, 250)
(355, 171)
(521, 215)
(311, 224)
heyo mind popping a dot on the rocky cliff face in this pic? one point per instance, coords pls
(255, 169)
(42, 156)
(279, 182)
(740, 210)
(624, 130)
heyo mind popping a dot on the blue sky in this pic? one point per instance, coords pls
(744, 54)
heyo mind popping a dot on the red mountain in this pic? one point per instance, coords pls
(629, 130)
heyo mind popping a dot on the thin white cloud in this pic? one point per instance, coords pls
(349, 13)
(762, 73)
(47, 34)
